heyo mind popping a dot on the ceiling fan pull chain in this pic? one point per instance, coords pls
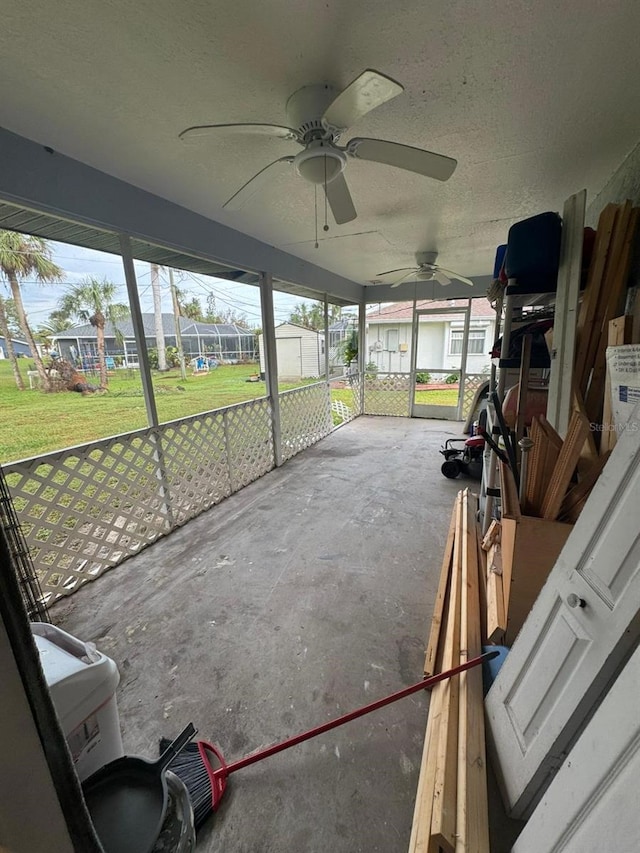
(315, 208)
(325, 227)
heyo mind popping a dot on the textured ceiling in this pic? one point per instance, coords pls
(534, 99)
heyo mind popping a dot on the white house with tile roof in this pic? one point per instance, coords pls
(440, 336)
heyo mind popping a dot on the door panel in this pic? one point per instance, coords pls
(429, 347)
(566, 653)
(592, 804)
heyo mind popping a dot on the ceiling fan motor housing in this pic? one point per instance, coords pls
(319, 163)
(426, 259)
(306, 107)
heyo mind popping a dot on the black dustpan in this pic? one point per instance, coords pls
(127, 799)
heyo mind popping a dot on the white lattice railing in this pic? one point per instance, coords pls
(387, 394)
(85, 509)
(305, 417)
(472, 382)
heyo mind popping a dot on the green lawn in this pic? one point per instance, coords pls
(34, 422)
(438, 397)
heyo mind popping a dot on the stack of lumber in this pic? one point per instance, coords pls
(451, 811)
(603, 301)
(559, 475)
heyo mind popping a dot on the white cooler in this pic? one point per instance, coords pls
(82, 682)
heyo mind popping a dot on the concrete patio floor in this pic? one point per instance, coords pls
(305, 595)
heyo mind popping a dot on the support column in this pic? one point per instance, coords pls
(138, 329)
(326, 338)
(271, 361)
(462, 379)
(362, 347)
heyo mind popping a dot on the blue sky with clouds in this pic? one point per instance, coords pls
(41, 299)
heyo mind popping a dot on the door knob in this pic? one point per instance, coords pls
(574, 600)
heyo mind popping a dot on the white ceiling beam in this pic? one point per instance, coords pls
(38, 179)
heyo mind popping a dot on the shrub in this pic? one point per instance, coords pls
(423, 378)
(452, 378)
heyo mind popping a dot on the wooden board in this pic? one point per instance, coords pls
(482, 575)
(472, 825)
(496, 616)
(577, 496)
(421, 826)
(616, 289)
(443, 816)
(589, 450)
(565, 466)
(439, 606)
(542, 461)
(529, 549)
(608, 278)
(590, 299)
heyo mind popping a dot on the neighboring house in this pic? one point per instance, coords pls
(300, 352)
(227, 341)
(440, 336)
(21, 348)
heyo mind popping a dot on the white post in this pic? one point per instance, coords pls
(326, 338)
(463, 359)
(566, 313)
(271, 361)
(362, 347)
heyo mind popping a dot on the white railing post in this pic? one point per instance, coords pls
(145, 370)
(271, 362)
(362, 349)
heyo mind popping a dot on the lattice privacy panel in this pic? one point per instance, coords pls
(473, 381)
(195, 464)
(347, 406)
(84, 509)
(249, 440)
(305, 417)
(387, 394)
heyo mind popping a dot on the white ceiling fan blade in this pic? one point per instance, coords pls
(364, 94)
(402, 157)
(340, 200)
(441, 277)
(211, 130)
(402, 269)
(254, 184)
(411, 274)
(456, 275)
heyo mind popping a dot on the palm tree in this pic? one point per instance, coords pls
(22, 255)
(5, 331)
(91, 302)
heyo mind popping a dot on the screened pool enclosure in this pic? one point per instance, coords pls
(226, 342)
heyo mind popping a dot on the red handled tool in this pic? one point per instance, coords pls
(207, 784)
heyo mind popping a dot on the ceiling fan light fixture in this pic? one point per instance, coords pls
(319, 165)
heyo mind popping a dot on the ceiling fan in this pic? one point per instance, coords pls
(427, 270)
(317, 117)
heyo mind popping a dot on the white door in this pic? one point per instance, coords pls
(289, 353)
(584, 622)
(438, 392)
(592, 804)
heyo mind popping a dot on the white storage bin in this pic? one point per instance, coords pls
(82, 682)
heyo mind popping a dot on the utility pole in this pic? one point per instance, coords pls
(157, 314)
(176, 317)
